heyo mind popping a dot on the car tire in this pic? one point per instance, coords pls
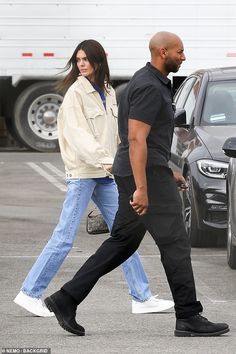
(231, 249)
(197, 237)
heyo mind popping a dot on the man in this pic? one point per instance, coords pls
(148, 197)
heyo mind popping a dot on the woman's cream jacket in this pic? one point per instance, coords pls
(87, 132)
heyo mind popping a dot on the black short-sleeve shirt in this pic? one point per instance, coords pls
(147, 98)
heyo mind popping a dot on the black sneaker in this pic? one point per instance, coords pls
(199, 326)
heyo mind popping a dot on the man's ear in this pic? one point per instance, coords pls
(163, 52)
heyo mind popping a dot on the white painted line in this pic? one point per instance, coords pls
(54, 169)
(47, 176)
(209, 255)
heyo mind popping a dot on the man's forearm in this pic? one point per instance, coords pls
(138, 160)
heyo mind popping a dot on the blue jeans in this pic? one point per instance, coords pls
(79, 193)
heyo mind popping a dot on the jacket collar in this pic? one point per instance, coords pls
(89, 89)
(86, 84)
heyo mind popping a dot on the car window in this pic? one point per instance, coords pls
(183, 92)
(220, 104)
(191, 101)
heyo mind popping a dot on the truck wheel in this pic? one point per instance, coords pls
(35, 117)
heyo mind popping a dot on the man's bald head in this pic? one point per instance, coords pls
(167, 52)
(162, 40)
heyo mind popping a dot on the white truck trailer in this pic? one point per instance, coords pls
(37, 38)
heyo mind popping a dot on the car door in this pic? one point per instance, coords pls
(185, 98)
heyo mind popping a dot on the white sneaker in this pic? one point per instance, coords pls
(33, 305)
(151, 305)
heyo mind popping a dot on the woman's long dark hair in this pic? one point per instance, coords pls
(97, 58)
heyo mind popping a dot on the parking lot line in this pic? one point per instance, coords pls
(47, 176)
(54, 169)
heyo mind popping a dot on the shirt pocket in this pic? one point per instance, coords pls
(94, 119)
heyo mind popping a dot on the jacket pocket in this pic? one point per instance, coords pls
(114, 111)
(93, 118)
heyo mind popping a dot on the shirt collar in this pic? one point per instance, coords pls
(158, 74)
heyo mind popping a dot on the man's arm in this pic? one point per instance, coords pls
(137, 135)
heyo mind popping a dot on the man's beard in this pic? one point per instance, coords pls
(171, 67)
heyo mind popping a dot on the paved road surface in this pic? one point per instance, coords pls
(32, 191)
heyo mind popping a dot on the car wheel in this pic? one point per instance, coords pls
(197, 237)
(231, 249)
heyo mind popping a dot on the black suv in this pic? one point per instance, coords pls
(205, 117)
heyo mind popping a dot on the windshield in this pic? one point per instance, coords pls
(220, 104)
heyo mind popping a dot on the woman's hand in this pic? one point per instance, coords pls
(107, 168)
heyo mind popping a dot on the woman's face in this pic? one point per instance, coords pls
(84, 65)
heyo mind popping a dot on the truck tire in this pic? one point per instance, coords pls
(35, 117)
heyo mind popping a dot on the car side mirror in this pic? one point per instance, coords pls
(180, 118)
(229, 147)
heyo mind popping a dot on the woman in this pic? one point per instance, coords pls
(88, 138)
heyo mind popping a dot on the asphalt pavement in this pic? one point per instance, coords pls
(32, 192)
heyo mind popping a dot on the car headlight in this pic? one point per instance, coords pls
(213, 169)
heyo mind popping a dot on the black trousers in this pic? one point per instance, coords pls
(164, 222)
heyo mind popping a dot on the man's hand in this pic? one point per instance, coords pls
(139, 201)
(181, 182)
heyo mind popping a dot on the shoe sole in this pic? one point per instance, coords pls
(52, 306)
(25, 307)
(197, 334)
(152, 311)
(169, 309)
